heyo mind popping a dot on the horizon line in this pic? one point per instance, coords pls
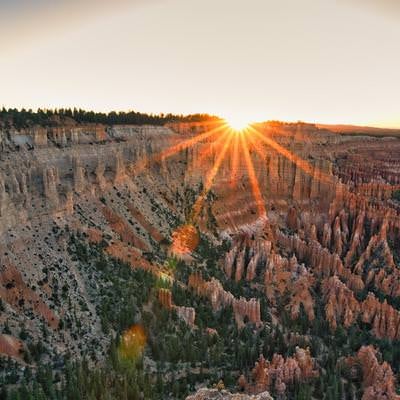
(373, 125)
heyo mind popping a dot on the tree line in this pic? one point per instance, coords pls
(23, 118)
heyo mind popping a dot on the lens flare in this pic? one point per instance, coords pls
(185, 239)
(132, 342)
(235, 140)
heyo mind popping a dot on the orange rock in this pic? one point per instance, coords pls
(281, 372)
(219, 297)
(13, 289)
(341, 305)
(378, 378)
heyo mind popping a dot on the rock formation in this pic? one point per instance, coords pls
(246, 309)
(343, 308)
(331, 230)
(212, 289)
(341, 305)
(243, 309)
(215, 394)
(188, 314)
(378, 380)
(283, 276)
(281, 372)
(245, 256)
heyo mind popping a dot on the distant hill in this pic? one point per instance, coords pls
(360, 130)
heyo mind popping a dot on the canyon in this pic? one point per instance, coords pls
(325, 255)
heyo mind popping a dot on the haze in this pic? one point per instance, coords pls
(312, 60)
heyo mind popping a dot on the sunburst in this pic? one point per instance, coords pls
(237, 123)
(237, 139)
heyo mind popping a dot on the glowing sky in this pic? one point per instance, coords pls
(314, 60)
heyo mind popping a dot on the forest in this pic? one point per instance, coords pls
(22, 118)
(176, 356)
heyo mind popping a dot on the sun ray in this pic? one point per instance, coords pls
(257, 146)
(212, 146)
(210, 178)
(275, 130)
(170, 151)
(190, 142)
(255, 187)
(305, 166)
(235, 161)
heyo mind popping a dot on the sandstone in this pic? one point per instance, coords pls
(243, 309)
(378, 380)
(281, 372)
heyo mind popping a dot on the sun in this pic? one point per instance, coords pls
(237, 123)
(235, 140)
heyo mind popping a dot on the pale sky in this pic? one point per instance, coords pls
(329, 61)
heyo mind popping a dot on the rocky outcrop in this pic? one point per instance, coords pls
(130, 255)
(244, 310)
(287, 277)
(184, 240)
(188, 314)
(246, 256)
(341, 305)
(281, 372)
(148, 227)
(165, 298)
(343, 308)
(330, 222)
(370, 177)
(378, 379)
(292, 219)
(384, 319)
(45, 170)
(376, 266)
(212, 290)
(215, 394)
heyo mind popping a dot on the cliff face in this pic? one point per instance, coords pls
(77, 179)
(48, 178)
